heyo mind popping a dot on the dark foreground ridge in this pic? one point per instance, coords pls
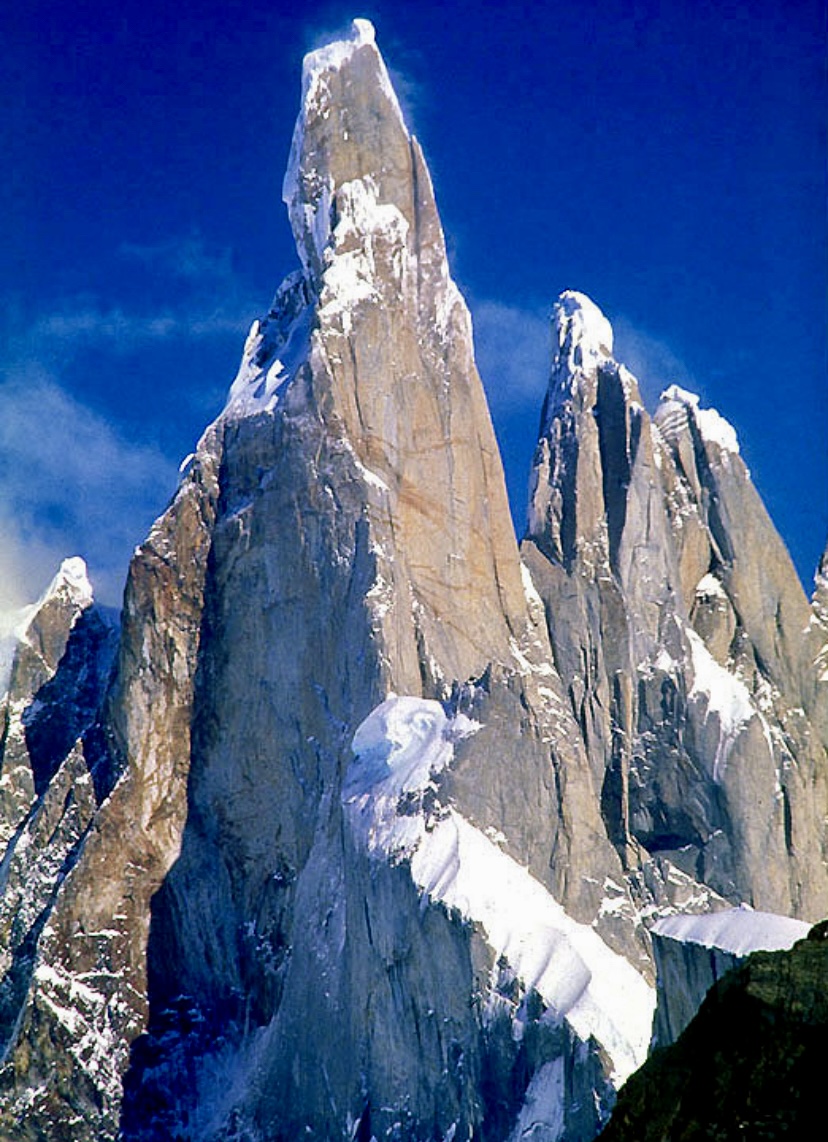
(750, 1065)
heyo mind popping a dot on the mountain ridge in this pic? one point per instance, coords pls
(342, 688)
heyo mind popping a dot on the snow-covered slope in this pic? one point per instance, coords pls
(392, 796)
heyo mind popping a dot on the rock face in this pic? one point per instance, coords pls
(362, 547)
(56, 770)
(749, 1065)
(383, 805)
(681, 647)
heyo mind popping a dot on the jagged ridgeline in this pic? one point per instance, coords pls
(362, 830)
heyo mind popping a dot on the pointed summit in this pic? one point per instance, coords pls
(591, 431)
(365, 222)
(584, 335)
(374, 338)
(350, 145)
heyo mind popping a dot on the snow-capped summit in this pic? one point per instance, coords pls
(582, 341)
(350, 129)
(583, 334)
(72, 578)
(65, 598)
(362, 210)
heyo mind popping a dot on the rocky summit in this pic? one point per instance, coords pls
(358, 825)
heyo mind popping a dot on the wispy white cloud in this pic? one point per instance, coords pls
(70, 484)
(651, 360)
(205, 298)
(188, 258)
(73, 480)
(512, 346)
(82, 322)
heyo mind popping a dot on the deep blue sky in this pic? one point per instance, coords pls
(666, 157)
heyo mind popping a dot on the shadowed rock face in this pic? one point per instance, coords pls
(351, 725)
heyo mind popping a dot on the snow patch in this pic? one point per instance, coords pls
(584, 335)
(74, 577)
(738, 931)
(399, 750)
(366, 230)
(725, 695)
(709, 587)
(543, 1114)
(390, 795)
(93, 1019)
(259, 389)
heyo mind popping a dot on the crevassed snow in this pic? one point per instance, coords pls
(399, 749)
(726, 697)
(738, 931)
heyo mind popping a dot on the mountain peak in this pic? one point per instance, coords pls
(350, 129)
(73, 577)
(583, 334)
